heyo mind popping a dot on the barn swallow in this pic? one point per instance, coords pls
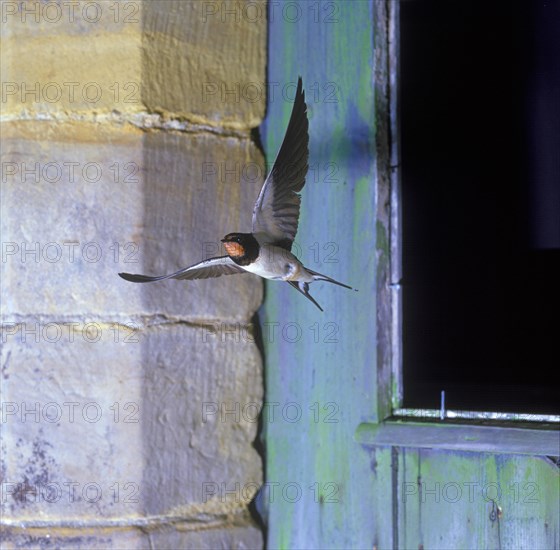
(266, 251)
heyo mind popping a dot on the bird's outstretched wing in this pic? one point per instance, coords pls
(276, 211)
(214, 267)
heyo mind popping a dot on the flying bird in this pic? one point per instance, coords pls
(266, 251)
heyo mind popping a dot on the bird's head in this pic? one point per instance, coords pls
(241, 246)
(234, 244)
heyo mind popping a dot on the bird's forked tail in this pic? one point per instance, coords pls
(304, 287)
(321, 277)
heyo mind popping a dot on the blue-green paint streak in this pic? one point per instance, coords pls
(329, 373)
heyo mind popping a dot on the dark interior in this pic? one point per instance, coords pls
(480, 157)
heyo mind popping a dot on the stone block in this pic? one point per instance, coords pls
(206, 60)
(169, 536)
(78, 57)
(98, 427)
(200, 60)
(81, 203)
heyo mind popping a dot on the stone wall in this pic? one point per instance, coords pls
(126, 147)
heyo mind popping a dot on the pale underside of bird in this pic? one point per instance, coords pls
(267, 250)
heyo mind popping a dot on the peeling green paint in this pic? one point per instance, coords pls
(337, 207)
(456, 489)
(394, 394)
(382, 241)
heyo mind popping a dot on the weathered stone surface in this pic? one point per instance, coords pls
(78, 56)
(214, 56)
(238, 536)
(100, 420)
(131, 425)
(126, 147)
(81, 203)
(199, 60)
(249, 537)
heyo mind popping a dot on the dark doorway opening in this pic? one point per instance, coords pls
(480, 157)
